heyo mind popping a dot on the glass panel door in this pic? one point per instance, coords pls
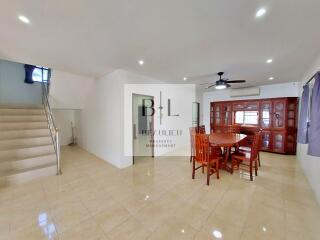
(195, 114)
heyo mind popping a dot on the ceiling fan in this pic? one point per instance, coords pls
(223, 83)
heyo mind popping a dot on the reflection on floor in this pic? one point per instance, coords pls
(157, 199)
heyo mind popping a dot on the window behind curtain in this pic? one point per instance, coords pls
(247, 117)
(40, 73)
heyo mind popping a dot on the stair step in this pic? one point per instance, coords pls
(24, 143)
(20, 164)
(19, 106)
(22, 111)
(28, 133)
(24, 153)
(23, 118)
(22, 125)
(21, 176)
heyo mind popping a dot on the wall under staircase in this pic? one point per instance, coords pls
(26, 148)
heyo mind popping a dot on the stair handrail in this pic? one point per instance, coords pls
(51, 124)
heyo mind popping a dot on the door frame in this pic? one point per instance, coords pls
(152, 136)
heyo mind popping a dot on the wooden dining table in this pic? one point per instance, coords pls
(226, 140)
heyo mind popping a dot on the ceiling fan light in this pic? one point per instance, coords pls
(220, 87)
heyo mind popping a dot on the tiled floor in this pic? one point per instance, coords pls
(157, 199)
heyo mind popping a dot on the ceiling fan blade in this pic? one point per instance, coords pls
(205, 83)
(205, 76)
(236, 81)
(210, 86)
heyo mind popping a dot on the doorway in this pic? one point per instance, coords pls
(142, 127)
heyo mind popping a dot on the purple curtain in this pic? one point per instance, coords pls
(303, 120)
(29, 71)
(314, 130)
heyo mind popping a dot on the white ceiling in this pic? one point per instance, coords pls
(175, 38)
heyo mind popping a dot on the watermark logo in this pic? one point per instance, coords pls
(157, 119)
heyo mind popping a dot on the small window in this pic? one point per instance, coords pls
(40, 74)
(246, 117)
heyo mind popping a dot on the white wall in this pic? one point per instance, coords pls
(69, 91)
(266, 91)
(102, 121)
(63, 119)
(13, 90)
(310, 164)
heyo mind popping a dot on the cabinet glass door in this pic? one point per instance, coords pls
(252, 106)
(217, 114)
(265, 120)
(278, 141)
(266, 140)
(279, 114)
(291, 114)
(228, 115)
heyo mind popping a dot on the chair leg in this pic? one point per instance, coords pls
(193, 167)
(217, 169)
(208, 173)
(251, 177)
(190, 158)
(233, 163)
(259, 159)
(256, 167)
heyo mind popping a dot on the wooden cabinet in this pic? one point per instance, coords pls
(277, 118)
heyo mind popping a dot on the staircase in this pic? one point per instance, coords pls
(26, 147)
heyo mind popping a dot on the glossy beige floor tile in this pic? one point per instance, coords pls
(86, 230)
(157, 199)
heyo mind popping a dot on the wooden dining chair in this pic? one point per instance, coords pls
(246, 146)
(193, 131)
(248, 159)
(206, 156)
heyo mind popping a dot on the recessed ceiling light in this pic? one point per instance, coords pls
(24, 19)
(261, 12)
(269, 61)
(141, 62)
(217, 234)
(271, 78)
(185, 78)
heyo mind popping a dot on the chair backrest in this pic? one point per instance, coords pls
(202, 147)
(255, 145)
(202, 129)
(233, 128)
(193, 131)
(204, 150)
